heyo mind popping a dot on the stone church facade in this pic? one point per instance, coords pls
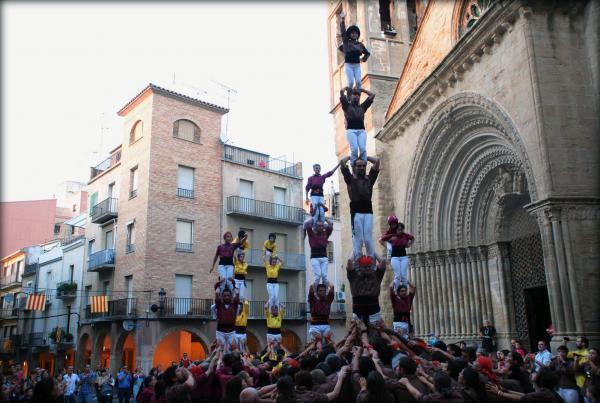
(487, 123)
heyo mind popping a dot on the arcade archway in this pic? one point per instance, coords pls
(174, 344)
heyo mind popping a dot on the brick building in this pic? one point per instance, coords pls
(486, 121)
(158, 208)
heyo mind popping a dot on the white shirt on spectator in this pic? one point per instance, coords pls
(544, 357)
(71, 381)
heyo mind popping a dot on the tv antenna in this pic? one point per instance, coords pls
(103, 128)
(229, 91)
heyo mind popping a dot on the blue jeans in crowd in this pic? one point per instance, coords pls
(357, 139)
(353, 74)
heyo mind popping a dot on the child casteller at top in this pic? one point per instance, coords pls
(353, 50)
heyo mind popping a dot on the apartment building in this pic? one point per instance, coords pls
(14, 269)
(263, 195)
(47, 338)
(155, 207)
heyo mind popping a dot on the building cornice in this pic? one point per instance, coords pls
(478, 42)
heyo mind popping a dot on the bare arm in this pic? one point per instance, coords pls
(375, 162)
(338, 385)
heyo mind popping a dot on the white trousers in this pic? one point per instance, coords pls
(400, 268)
(319, 268)
(273, 291)
(225, 271)
(241, 285)
(321, 331)
(271, 338)
(226, 338)
(240, 340)
(373, 319)
(362, 233)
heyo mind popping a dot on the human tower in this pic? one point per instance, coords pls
(365, 269)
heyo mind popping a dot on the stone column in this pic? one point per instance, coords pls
(464, 285)
(467, 290)
(486, 282)
(570, 230)
(501, 293)
(430, 307)
(445, 290)
(477, 298)
(437, 323)
(461, 294)
(455, 309)
(418, 302)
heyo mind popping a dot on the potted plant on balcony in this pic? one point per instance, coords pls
(65, 337)
(66, 289)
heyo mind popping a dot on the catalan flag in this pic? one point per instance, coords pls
(36, 302)
(99, 304)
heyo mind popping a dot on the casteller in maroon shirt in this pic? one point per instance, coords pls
(320, 307)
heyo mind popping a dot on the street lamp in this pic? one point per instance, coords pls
(161, 298)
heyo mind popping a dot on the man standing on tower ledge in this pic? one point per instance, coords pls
(360, 191)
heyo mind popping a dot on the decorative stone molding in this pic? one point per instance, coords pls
(476, 132)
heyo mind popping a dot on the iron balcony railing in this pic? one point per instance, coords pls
(201, 308)
(174, 307)
(37, 339)
(188, 193)
(104, 259)
(262, 161)
(293, 310)
(265, 210)
(7, 313)
(105, 165)
(291, 261)
(184, 247)
(63, 292)
(105, 210)
(30, 269)
(118, 308)
(11, 279)
(130, 248)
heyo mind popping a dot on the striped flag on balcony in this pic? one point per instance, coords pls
(36, 302)
(99, 304)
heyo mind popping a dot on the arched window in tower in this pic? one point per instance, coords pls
(471, 12)
(186, 130)
(137, 131)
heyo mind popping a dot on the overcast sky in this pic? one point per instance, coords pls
(68, 68)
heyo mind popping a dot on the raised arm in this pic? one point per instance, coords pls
(375, 162)
(345, 170)
(338, 385)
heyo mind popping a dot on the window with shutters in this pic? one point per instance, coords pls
(93, 202)
(186, 130)
(137, 131)
(185, 181)
(184, 236)
(330, 252)
(133, 182)
(130, 247)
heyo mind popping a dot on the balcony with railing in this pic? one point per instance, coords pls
(10, 280)
(186, 307)
(30, 269)
(9, 313)
(66, 290)
(102, 261)
(186, 193)
(264, 210)
(105, 211)
(291, 261)
(105, 165)
(117, 309)
(37, 339)
(261, 161)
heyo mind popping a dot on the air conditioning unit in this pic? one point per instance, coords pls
(340, 296)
